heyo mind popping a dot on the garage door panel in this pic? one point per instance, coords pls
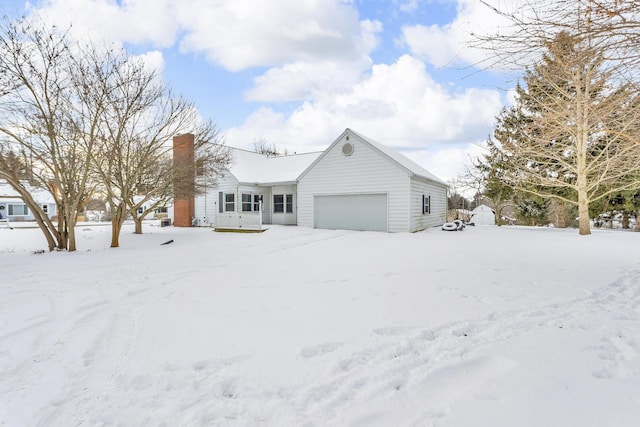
(351, 212)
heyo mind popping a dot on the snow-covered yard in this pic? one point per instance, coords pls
(488, 327)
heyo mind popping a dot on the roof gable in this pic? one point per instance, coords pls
(409, 166)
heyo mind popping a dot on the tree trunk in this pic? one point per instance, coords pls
(583, 215)
(71, 230)
(637, 227)
(625, 220)
(117, 219)
(138, 222)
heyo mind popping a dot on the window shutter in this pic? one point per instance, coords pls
(423, 212)
(220, 201)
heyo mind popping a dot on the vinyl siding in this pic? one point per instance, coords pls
(284, 218)
(206, 205)
(365, 171)
(438, 215)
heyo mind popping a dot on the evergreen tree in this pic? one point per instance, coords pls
(572, 133)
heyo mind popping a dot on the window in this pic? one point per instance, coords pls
(278, 203)
(18, 210)
(45, 209)
(140, 210)
(161, 210)
(251, 202)
(426, 204)
(229, 202)
(246, 202)
(283, 203)
(289, 203)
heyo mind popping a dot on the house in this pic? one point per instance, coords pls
(13, 208)
(483, 215)
(355, 184)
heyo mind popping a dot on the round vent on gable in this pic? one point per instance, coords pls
(347, 149)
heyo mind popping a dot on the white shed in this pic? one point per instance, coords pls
(359, 184)
(483, 215)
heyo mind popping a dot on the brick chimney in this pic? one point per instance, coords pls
(184, 187)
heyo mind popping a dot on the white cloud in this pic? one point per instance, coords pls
(153, 60)
(236, 34)
(134, 21)
(246, 33)
(398, 104)
(304, 80)
(443, 45)
(447, 162)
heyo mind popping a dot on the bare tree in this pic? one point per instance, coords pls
(269, 149)
(82, 120)
(579, 109)
(134, 159)
(162, 177)
(40, 119)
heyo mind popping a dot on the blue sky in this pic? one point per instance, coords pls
(298, 73)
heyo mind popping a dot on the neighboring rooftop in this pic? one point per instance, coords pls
(7, 192)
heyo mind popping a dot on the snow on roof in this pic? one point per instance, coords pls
(38, 194)
(481, 208)
(403, 161)
(250, 167)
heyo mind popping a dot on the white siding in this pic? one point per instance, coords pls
(365, 171)
(438, 215)
(284, 218)
(206, 205)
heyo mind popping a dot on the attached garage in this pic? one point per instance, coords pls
(363, 212)
(359, 184)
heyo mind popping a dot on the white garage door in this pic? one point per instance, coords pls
(351, 212)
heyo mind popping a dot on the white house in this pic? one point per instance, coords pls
(483, 215)
(355, 184)
(13, 208)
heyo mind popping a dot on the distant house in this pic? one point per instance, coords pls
(483, 215)
(13, 208)
(355, 184)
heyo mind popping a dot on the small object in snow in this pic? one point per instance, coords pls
(38, 252)
(459, 225)
(167, 242)
(449, 226)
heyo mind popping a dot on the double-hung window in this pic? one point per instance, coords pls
(229, 202)
(283, 203)
(426, 204)
(246, 202)
(289, 203)
(278, 203)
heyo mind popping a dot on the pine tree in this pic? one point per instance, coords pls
(572, 133)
